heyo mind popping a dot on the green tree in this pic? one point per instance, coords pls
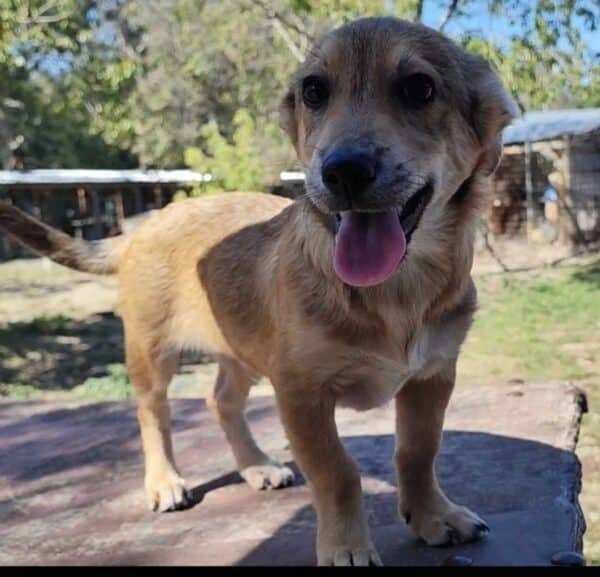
(62, 92)
(543, 60)
(235, 164)
(202, 61)
(116, 82)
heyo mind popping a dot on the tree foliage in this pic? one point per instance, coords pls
(64, 88)
(543, 59)
(117, 82)
(235, 163)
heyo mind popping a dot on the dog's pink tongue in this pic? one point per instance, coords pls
(368, 247)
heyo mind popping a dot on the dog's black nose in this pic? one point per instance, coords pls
(348, 173)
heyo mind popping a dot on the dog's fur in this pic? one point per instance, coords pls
(250, 278)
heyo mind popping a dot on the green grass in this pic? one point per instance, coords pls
(536, 329)
(21, 392)
(10, 334)
(545, 328)
(115, 386)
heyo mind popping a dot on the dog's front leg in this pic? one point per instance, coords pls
(343, 536)
(420, 408)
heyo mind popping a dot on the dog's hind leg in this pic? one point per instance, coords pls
(227, 403)
(150, 372)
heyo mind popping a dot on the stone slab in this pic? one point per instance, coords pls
(71, 480)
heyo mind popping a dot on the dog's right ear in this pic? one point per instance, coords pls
(287, 116)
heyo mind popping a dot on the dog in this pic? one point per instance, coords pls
(355, 294)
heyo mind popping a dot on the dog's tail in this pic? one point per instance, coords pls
(99, 257)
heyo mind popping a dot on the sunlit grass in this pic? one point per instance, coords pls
(546, 328)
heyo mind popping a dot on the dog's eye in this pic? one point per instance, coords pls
(314, 92)
(417, 90)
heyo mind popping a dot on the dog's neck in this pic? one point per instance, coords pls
(430, 281)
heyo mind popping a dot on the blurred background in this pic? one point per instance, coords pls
(111, 109)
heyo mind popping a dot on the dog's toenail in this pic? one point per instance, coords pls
(457, 561)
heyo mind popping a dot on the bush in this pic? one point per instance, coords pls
(235, 165)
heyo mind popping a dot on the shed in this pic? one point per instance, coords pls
(552, 156)
(90, 203)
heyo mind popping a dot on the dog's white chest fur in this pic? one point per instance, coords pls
(369, 379)
(433, 347)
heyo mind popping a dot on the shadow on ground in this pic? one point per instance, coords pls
(58, 353)
(491, 474)
(89, 457)
(589, 273)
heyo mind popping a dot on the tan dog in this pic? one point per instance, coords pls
(356, 294)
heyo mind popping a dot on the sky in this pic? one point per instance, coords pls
(496, 27)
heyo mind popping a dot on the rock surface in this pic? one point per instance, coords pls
(71, 478)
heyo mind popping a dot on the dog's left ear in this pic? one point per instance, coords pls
(287, 117)
(490, 110)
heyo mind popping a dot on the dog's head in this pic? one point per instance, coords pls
(389, 118)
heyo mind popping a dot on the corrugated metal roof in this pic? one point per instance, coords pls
(84, 176)
(549, 124)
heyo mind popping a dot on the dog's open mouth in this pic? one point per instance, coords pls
(369, 246)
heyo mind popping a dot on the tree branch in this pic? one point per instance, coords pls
(282, 25)
(449, 13)
(270, 11)
(132, 52)
(38, 16)
(419, 11)
(295, 50)
(485, 233)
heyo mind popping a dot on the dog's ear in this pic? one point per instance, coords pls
(287, 116)
(491, 109)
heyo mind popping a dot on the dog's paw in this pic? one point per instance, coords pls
(447, 524)
(268, 476)
(350, 556)
(167, 493)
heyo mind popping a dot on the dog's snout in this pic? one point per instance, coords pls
(348, 172)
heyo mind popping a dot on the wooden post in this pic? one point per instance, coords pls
(566, 198)
(529, 190)
(138, 199)
(11, 248)
(158, 199)
(37, 205)
(81, 201)
(119, 210)
(5, 251)
(96, 214)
